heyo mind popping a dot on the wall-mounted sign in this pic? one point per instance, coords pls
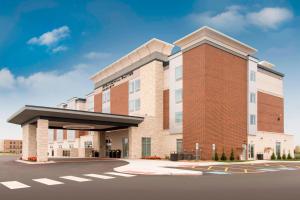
(113, 82)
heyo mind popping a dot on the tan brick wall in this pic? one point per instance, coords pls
(214, 100)
(98, 102)
(270, 110)
(166, 109)
(119, 99)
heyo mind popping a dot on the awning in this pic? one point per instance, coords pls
(74, 119)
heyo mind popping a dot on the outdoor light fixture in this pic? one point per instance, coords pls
(78, 127)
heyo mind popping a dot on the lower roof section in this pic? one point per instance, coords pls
(73, 119)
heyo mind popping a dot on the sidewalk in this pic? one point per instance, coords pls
(165, 167)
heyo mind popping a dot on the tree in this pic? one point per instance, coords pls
(278, 156)
(273, 157)
(231, 155)
(216, 156)
(223, 157)
(289, 157)
(284, 157)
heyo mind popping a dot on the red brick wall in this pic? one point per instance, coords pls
(214, 100)
(65, 134)
(98, 102)
(270, 110)
(166, 109)
(119, 99)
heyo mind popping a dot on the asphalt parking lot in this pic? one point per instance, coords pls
(229, 169)
(79, 179)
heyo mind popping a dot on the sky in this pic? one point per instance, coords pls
(50, 48)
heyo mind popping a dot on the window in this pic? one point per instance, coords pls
(91, 103)
(131, 105)
(60, 135)
(88, 144)
(178, 117)
(106, 101)
(50, 135)
(178, 73)
(252, 97)
(146, 146)
(137, 104)
(252, 119)
(137, 85)
(131, 87)
(71, 135)
(179, 145)
(253, 76)
(178, 95)
(251, 151)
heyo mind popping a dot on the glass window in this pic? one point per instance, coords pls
(146, 146)
(178, 117)
(60, 135)
(253, 76)
(178, 73)
(278, 148)
(88, 144)
(251, 151)
(179, 145)
(131, 105)
(137, 85)
(131, 87)
(137, 105)
(252, 119)
(252, 97)
(71, 135)
(50, 135)
(178, 95)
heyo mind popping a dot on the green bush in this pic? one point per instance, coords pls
(273, 157)
(216, 156)
(289, 157)
(231, 155)
(223, 157)
(279, 157)
(284, 157)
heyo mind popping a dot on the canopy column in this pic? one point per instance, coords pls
(29, 141)
(42, 140)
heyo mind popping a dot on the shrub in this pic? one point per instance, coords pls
(223, 157)
(289, 157)
(152, 158)
(216, 156)
(279, 157)
(284, 157)
(231, 155)
(33, 158)
(273, 157)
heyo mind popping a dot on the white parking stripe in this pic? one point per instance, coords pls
(14, 185)
(99, 176)
(75, 178)
(120, 174)
(47, 181)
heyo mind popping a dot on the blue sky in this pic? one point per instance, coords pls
(49, 49)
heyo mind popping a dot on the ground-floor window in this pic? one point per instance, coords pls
(125, 146)
(88, 144)
(179, 145)
(146, 146)
(251, 151)
(278, 148)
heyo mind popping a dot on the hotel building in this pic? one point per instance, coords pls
(211, 96)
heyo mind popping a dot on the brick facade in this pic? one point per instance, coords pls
(214, 100)
(166, 109)
(270, 111)
(119, 99)
(98, 102)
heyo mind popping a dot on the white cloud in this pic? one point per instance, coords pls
(42, 88)
(97, 55)
(6, 79)
(230, 20)
(51, 38)
(59, 49)
(236, 18)
(270, 18)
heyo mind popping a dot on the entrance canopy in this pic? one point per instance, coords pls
(73, 119)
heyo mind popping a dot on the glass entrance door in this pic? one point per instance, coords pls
(125, 147)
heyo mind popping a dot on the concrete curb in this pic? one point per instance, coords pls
(34, 163)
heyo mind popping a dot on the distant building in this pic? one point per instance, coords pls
(11, 146)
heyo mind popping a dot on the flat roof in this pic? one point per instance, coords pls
(73, 119)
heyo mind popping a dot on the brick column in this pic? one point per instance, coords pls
(29, 141)
(42, 140)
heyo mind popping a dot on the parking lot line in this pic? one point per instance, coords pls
(14, 185)
(209, 167)
(75, 178)
(99, 176)
(226, 169)
(47, 181)
(120, 174)
(245, 171)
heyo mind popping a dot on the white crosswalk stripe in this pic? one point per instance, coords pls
(75, 178)
(99, 176)
(47, 181)
(120, 174)
(14, 185)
